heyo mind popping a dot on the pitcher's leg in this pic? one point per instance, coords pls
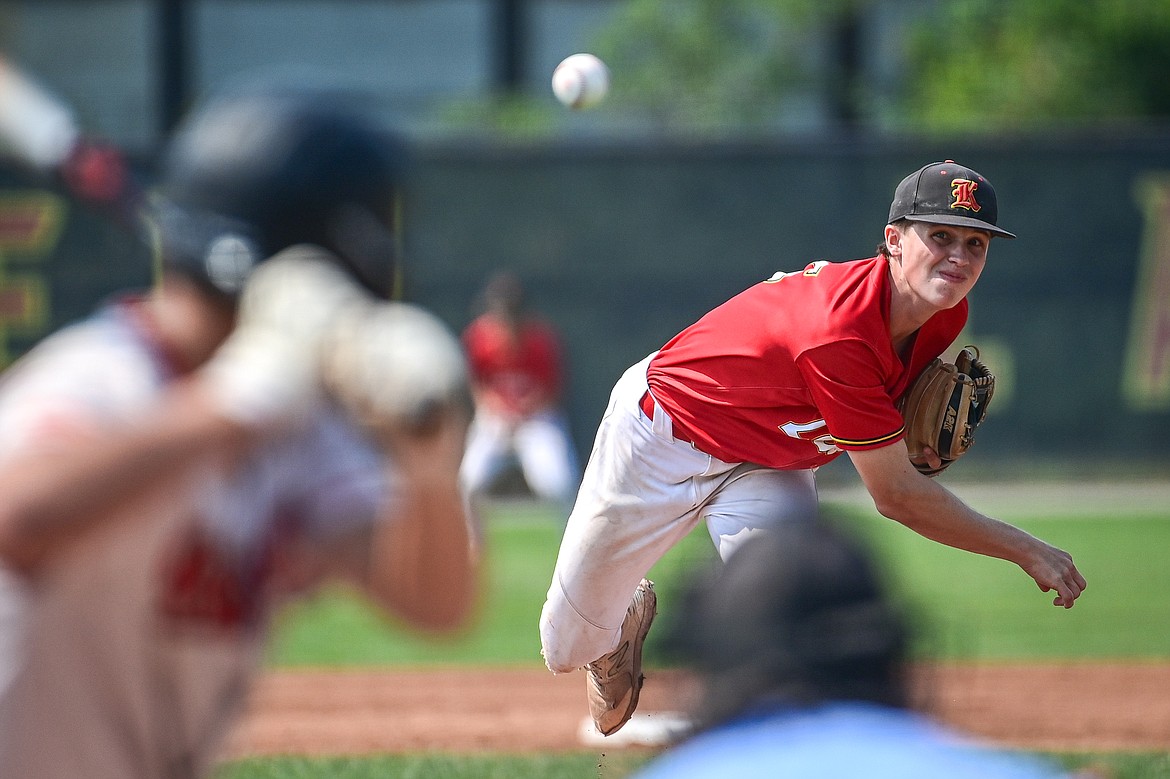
(637, 500)
(603, 559)
(755, 499)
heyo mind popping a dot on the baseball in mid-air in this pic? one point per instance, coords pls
(580, 81)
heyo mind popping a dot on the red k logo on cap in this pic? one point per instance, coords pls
(963, 191)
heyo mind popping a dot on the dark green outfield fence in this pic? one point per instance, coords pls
(623, 244)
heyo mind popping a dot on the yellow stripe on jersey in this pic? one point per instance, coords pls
(870, 441)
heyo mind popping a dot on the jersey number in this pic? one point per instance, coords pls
(809, 431)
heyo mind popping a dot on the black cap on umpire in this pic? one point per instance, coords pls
(797, 616)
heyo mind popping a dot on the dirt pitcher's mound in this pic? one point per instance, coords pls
(1086, 707)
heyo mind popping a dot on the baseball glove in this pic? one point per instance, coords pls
(943, 408)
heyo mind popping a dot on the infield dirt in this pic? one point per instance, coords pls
(1069, 707)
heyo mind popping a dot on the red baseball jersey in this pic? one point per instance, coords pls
(796, 369)
(516, 373)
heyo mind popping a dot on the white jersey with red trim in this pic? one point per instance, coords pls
(128, 654)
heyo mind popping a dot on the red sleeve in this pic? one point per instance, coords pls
(848, 386)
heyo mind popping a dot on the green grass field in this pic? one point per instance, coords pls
(964, 606)
(580, 766)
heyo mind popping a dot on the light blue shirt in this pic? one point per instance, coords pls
(840, 740)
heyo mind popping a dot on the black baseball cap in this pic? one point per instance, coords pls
(947, 193)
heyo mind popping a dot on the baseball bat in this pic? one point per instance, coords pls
(41, 132)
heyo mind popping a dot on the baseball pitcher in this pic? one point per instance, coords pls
(727, 423)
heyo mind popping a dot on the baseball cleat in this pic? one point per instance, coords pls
(614, 681)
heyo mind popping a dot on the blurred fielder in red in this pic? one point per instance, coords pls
(517, 374)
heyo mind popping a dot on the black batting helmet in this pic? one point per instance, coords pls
(259, 169)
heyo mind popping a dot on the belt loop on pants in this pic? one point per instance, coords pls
(647, 405)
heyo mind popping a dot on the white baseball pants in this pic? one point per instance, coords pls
(642, 492)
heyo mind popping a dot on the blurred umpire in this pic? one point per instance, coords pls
(801, 659)
(179, 463)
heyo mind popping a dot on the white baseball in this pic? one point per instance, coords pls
(580, 81)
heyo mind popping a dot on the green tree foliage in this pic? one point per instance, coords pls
(962, 64)
(716, 64)
(1000, 64)
(696, 63)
